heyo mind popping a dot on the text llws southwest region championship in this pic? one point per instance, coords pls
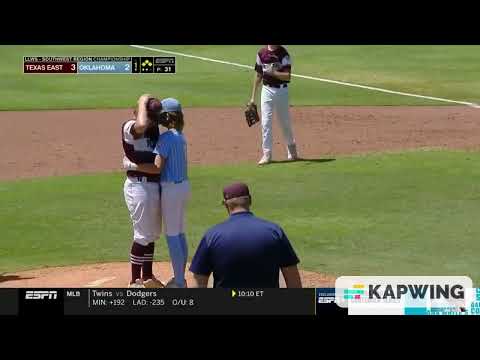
(98, 65)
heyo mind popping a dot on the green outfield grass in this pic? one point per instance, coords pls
(441, 71)
(414, 213)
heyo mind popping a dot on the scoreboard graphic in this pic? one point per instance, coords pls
(99, 65)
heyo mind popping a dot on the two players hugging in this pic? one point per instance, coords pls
(156, 188)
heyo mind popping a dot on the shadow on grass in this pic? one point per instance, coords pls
(301, 160)
(4, 278)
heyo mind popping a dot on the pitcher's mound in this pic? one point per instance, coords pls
(111, 275)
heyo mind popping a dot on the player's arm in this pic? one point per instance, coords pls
(159, 163)
(284, 75)
(257, 79)
(200, 281)
(142, 121)
(284, 72)
(161, 151)
(292, 276)
(148, 168)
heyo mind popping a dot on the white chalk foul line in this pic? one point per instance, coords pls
(372, 88)
(100, 281)
(193, 56)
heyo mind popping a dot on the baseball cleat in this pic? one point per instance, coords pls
(173, 285)
(266, 158)
(137, 284)
(153, 283)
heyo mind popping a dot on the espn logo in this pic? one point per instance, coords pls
(40, 295)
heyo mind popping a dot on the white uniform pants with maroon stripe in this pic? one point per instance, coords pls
(275, 99)
(143, 203)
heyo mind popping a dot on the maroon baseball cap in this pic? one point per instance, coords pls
(154, 110)
(154, 105)
(235, 190)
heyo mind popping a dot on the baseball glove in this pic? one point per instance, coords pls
(268, 69)
(251, 114)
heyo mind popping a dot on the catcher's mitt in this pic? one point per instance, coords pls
(251, 114)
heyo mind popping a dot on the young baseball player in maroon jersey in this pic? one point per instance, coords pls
(273, 68)
(141, 190)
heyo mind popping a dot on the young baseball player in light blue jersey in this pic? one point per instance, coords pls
(171, 159)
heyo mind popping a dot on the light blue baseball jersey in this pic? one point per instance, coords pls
(172, 146)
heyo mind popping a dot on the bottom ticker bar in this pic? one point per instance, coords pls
(189, 302)
(168, 302)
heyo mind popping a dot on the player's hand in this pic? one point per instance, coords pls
(142, 101)
(128, 165)
(268, 69)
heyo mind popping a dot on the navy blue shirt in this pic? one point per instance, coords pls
(244, 252)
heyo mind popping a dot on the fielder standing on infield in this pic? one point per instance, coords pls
(273, 66)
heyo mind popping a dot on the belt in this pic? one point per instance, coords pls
(277, 86)
(143, 179)
(174, 182)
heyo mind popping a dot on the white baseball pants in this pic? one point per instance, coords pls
(143, 203)
(273, 98)
(174, 201)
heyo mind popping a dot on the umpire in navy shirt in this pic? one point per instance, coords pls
(244, 251)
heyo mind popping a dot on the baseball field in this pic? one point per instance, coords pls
(388, 184)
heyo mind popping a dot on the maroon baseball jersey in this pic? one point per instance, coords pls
(279, 57)
(139, 150)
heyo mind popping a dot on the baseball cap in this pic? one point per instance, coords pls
(235, 190)
(154, 105)
(171, 105)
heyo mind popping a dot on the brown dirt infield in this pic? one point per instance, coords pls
(55, 143)
(51, 143)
